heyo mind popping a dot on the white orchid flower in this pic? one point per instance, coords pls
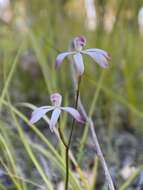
(56, 109)
(98, 55)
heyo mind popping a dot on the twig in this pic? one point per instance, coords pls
(97, 146)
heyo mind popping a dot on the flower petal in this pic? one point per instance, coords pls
(98, 57)
(60, 58)
(99, 51)
(79, 63)
(38, 113)
(76, 115)
(54, 118)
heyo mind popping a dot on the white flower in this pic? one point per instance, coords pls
(56, 100)
(98, 55)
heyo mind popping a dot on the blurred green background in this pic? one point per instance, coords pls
(32, 33)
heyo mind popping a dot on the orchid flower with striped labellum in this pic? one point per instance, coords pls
(56, 100)
(98, 55)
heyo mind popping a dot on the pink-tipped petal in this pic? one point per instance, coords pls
(61, 57)
(38, 113)
(99, 58)
(79, 63)
(54, 118)
(76, 115)
(100, 51)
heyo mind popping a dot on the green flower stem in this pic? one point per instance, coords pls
(62, 137)
(67, 145)
(75, 106)
(70, 136)
(66, 154)
(67, 168)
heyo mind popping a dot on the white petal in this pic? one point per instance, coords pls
(61, 57)
(99, 51)
(54, 118)
(76, 115)
(99, 58)
(38, 113)
(79, 63)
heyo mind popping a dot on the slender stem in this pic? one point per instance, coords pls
(70, 136)
(67, 168)
(66, 155)
(75, 106)
(62, 137)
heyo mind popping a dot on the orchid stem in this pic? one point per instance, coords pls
(67, 168)
(62, 136)
(75, 106)
(70, 136)
(66, 155)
